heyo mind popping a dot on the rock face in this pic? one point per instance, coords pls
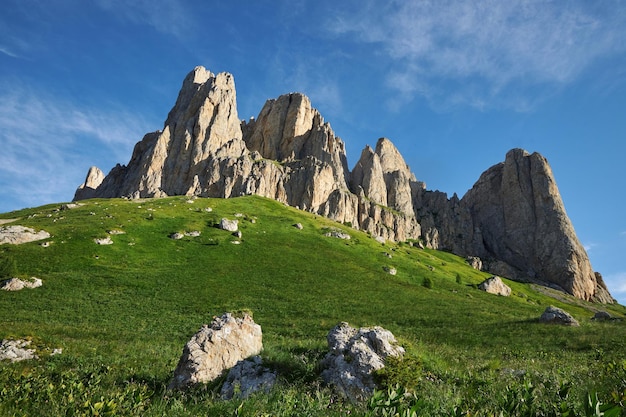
(513, 217)
(494, 285)
(17, 235)
(555, 315)
(353, 355)
(216, 348)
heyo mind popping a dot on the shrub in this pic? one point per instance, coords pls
(458, 279)
(428, 282)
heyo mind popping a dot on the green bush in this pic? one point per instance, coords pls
(428, 283)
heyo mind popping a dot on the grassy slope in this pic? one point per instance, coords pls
(124, 311)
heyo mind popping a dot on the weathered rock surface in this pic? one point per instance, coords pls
(494, 285)
(16, 350)
(602, 315)
(104, 241)
(353, 355)
(229, 225)
(475, 262)
(16, 284)
(16, 235)
(555, 315)
(216, 348)
(247, 377)
(512, 218)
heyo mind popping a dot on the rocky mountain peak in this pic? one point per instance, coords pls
(513, 217)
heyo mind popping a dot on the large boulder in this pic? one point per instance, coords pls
(494, 285)
(247, 377)
(354, 354)
(216, 348)
(16, 235)
(555, 315)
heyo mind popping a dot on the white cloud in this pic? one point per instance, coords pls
(45, 141)
(617, 285)
(8, 52)
(485, 51)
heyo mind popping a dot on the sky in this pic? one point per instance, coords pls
(453, 84)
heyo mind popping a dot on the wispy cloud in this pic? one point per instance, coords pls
(166, 16)
(485, 51)
(8, 52)
(617, 285)
(44, 142)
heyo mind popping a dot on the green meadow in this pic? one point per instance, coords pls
(123, 312)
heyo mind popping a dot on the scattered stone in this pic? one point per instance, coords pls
(45, 244)
(69, 206)
(190, 201)
(298, 226)
(238, 215)
(208, 209)
(555, 315)
(229, 225)
(380, 239)
(16, 284)
(238, 234)
(216, 348)
(16, 350)
(353, 355)
(388, 255)
(16, 235)
(475, 262)
(247, 377)
(236, 242)
(56, 351)
(104, 241)
(176, 236)
(494, 285)
(602, 315)
(116, 232)
(390, 270)
(338, 234)
(193, 233)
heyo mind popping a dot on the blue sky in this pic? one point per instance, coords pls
(454, 84)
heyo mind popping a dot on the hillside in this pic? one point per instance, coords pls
(122, 312)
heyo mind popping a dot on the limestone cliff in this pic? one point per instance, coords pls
(513, 217)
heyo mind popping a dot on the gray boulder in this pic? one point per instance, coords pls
(602, 315)
(216, 348)
(555, 315)
(494, 285)
(354, 354)
(247, 377)
(229, 225)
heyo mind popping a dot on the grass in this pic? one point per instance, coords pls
(123, 312)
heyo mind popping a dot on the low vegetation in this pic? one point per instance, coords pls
(123, 312)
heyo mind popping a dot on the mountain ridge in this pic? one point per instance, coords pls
(513, 217)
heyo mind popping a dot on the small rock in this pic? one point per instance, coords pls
(338, 234)
(16, 350)
(555, 315)
(494, 285)
(475, 262)
(116, 232)
(208, 209)
(16, 284)
(176, 236)
(229, 225)
(390, 270)
(45, 244)
(380, 239)
(298, 226)
(104, 241)
(193, 233)
(602, 315)
(237, 234)
(238, 215)
(246, 378)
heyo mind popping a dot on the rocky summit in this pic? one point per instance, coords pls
(513, 218)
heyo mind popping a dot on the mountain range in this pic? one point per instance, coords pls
(513, 218)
